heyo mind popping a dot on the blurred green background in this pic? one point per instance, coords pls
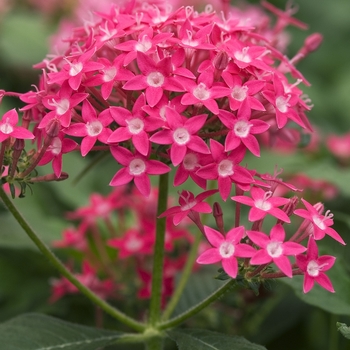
(279, 319)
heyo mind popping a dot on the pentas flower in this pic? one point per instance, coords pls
(188, 202)
(155, 79)
(74, 69)
(191, 163)
(313, 267)
(321, 223)
(263, 203)
(225, 169)
(132, 243)
(242, 129)
(111, 73)
(93, 129)
(274, 249)
(136, 167)
(59, 146)
(134, 125)
(226, 249)
(61, 106)
(9, 128)
(204, 92)
(72, 238)
(243, 92)
(284, 103)
(182, 135)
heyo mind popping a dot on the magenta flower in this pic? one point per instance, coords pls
(226, 249)
(274, 249)
(182, 135)
(9, 128)
(313, 267)
(188, 202)
(155, 78)
(136, 167)
(263, 203)
(204, 92)
(242, 129)
(94, 127)
(134, 125)
(321, 223)
(74, 70)
(59, 146)
(225, 169)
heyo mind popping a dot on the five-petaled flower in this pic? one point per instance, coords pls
(226, 249)
(274, 249)
(9, 128)
(313, 267)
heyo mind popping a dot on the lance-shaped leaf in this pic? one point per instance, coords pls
(198, 339)
(39, 332)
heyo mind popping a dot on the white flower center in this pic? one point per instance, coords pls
(226, 250)
(282, 103)
(56, 146)
(274, 249)
(181, 136)
(6, 128)
(225, 168)
(135, 125)
(61, 106)
(137, 167)
(94, 128)
(190, 161)
(313, 269)
(102, 209)
(155, 79)
(109, 74)
(75, 69)
(318, 222)
(263, 204)
(243, 55)
(188, 205)
(242, 128)
(133, 244)
(239, 93)
(144, 44)
(201, 92)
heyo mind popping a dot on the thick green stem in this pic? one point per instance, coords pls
(65, 272)
(197, 308)
(158, 258)
(186, 273)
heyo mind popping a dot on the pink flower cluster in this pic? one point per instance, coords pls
(113, 236)
(165, 89)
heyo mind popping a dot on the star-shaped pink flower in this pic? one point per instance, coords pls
(274, 249)
(263, 203)
(314, 266)
(226, 249)
(9, 128)
(321, 223)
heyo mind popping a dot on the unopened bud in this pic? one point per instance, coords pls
(53, 128)
(218, 215)
(18, 145)
(313, 42)
(221, 60)
(291, 205)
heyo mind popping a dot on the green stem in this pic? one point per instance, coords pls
(158, 259)
(195, 309)
(184, 277)
(65, 272)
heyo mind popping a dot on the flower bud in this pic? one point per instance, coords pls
(53, 128)
(221, 60)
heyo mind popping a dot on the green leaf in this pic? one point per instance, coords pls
(344, 329)
(197, 339)
(337, 303)
(40, 332)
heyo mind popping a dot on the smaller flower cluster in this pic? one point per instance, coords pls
(251, 252)
(115, 234)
